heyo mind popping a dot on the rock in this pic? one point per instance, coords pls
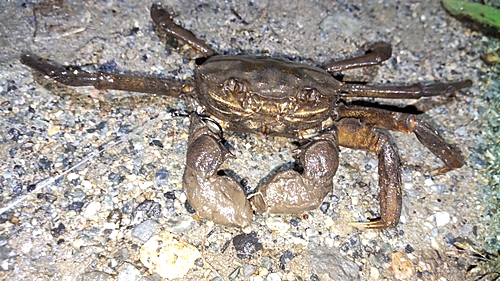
(128, 272)
(246, 245)
(92, 209)
(442, 218)
(332, 262)
(145, 230)
(168, 256)
(95, 276)
(402, 266)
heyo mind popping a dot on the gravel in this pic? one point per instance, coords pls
(90, 223)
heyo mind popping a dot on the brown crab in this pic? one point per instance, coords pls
(283, 98)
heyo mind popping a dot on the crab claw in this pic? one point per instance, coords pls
(218, 198)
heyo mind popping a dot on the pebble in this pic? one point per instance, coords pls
(246, 245)
(162, 177)
(180, 224)
(402, 266)
(249, 270)
(263, 271)
(128, 272)
(273, 277)
(374, 273)
(234, 273)
(167, 255)
(277, 224)
(339, 21)
(286, 257)
(442, 218)
(145, 230)
(53, 130)
(4, 239)
(95, 276)
(72, 176)
(428, 182)
(92, 209)
(330, 261)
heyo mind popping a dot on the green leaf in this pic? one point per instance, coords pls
(478, 12)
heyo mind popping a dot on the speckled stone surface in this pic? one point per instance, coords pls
(91, 223)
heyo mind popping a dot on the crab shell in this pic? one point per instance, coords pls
(283, 98)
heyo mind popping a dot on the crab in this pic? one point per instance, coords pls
(276, 97)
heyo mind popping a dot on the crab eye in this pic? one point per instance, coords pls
(235, 87)
(307, 95)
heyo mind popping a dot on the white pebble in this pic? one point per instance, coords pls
(92, 209)
(442, 218)
(374, 273)
(328, 222)
(168, 255)
(53, 130)
(277, 224)
(428, 182)
(72, 176)
(273, 277)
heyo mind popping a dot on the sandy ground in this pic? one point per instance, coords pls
(47, 129)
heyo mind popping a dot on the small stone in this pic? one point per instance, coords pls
(72, 176)
(162, 177)
(374, 273)
(234, 274)
(180, 224)
(169, 195)
(128, 272)
(167, 255)
(295, 221)
(246, 245)
(95, 276)
(145, 230)
(114, 216)
(156, 143)
(324, 260)
(249, 270)
(324, 207)
(428, 182)
(4, 239)
(92, 209)
(328, 222)
(409, 249)
(53, 130)
(76, 206)
(402, 266)
(273, 277)
(277, 224)
(287, 257)
(442, 218)
(146, 209)
(59, 230)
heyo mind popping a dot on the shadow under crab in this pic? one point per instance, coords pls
(283, 98)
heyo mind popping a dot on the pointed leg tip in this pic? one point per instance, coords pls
(374, 224)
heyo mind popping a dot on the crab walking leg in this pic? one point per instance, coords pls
(414, 91)
(376, 53)
(355, 135)
(103, 80)
(164, 20)
(408, 123)
(220, 199)
(290, 191)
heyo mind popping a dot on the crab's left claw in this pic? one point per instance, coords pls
(218, 198)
